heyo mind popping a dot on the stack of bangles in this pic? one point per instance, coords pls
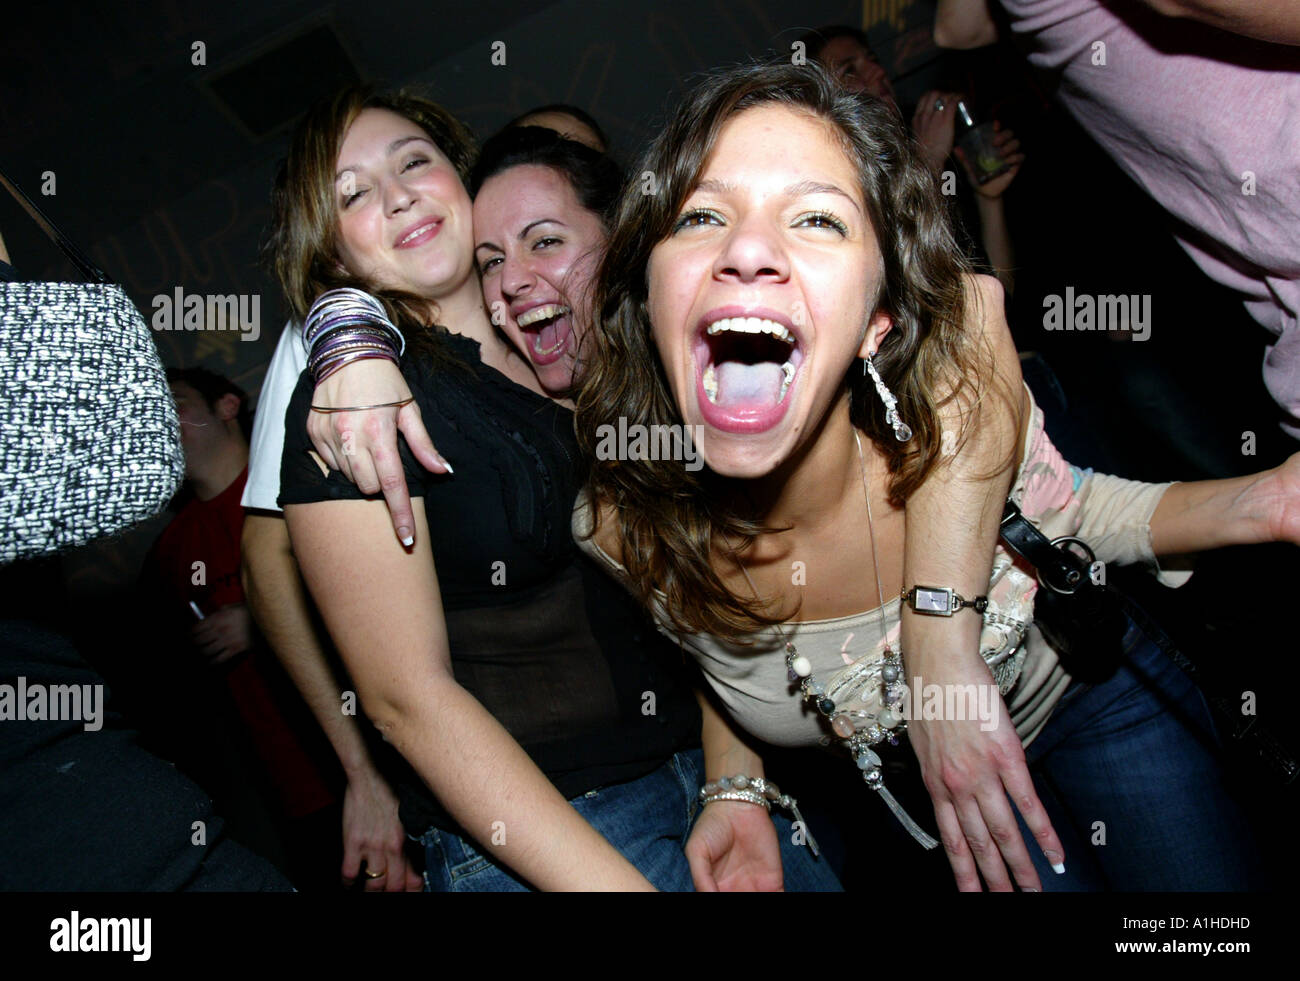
(346, 325)
(755, 790)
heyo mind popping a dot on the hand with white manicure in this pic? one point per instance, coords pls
(363, 444)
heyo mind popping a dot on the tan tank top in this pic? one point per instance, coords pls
(1111, 514)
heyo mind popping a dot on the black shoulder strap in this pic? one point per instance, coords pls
(88, 268)
(1058, 567)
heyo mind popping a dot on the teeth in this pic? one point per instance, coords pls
(787, 370)
(711, 384)
(545, 312)
(419, 231)
(550, 350)
(751, 325)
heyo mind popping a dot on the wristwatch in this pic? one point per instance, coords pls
(940, 601)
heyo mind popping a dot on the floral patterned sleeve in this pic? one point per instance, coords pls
(1112, 514)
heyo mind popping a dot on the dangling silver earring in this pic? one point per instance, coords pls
(902, 431)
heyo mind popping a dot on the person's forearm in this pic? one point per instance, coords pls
(963, 24)
(1265, 20)
(952, 530)
(279, 604)
(952, 520)
(383, 606)
(726, 751)
(494, 790)
(997, 241)
(1206, 514)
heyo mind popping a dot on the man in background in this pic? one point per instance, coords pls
(193, 574)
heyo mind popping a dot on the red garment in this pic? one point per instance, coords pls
(197, 558)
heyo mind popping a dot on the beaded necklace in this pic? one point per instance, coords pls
(860, 735)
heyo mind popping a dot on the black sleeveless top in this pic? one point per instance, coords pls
(559, 653)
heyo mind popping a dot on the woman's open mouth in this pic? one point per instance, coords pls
(745, 368)
(547, 330)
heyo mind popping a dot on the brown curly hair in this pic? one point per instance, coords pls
(672, 523)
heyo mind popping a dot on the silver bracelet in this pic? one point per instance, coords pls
(756, 790)
(748, 796)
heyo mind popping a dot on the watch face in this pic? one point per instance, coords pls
(932, 600)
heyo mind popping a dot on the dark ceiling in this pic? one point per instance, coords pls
(107, 95)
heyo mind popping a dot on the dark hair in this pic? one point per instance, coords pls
(595, 178)
(671, 524)
(302, 245)
(212, 387)
(815, 41)
(563, 108)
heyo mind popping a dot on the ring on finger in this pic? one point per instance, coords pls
(939, 105)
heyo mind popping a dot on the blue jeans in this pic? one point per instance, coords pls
(647, 820)
(1129, 773)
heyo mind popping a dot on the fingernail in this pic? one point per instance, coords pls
(407, 538)
(1030, 889)
(447, 465)
(1055, 858)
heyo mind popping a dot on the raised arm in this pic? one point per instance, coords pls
(964, 24)
(1264, 20)
(967, 24)
(952, 529)
(367, 586)
(371, 830)
(995, 235)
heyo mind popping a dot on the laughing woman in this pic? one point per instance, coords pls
(528, 223)
(548, 728)
(793, 289)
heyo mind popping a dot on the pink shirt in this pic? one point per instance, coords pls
(1198, 122)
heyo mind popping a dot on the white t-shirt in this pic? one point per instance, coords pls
(263, 487)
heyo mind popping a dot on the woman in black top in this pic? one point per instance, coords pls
(513, 675)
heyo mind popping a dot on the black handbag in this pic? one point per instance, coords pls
(1085, 619)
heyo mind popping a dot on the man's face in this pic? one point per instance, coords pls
(201, 427)
(856, 68)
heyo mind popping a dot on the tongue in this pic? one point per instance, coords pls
(548, 335)
(741, 385)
